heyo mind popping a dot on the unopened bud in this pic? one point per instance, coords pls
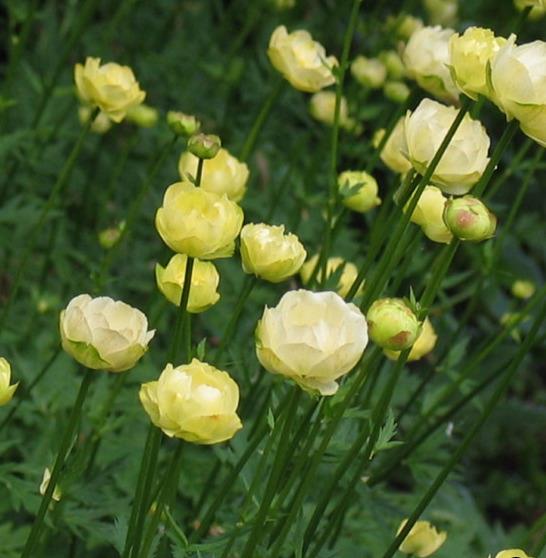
(143, 116)
(469, 219)
(183, 124)
(369, 72)
(109, 237)
(204, 146)
(523, 289)
(392, 325)
(396, 91)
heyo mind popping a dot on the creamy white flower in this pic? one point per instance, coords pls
(465, 158)
(6, 390)
(426, 57)
(428, 214)
(391, 153)
(311, 338)
(104, 334)
(518, 79)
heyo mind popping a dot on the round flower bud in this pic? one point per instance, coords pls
(312, 339)
(392, 154)
(284, 4)
(198, 223)
(465, 158)
(143, 116)
(322, 107)
(518, 79)
(538, 7)
(396, 91)
(428, 214)
(358, 190)
(195, 402)
(183, 124)
(426, 57)
(224, 174)
(422, 346)
(404, 25)
(6, 391)
(100, 125)
(469, 219)
(204, 146)
(523, 289)
(393, 63)
(57, 493)
(423, 539)
(109, 237)
(470, 54)
(104, 334)
(392, 324)
(204, 283)
(512, 553)
(442, 12)
(369, 72)
(269, 253)
(111, 87)
(301, 60)
(345, 281)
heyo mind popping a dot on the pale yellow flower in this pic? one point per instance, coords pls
(312, 339)
(423, 539)
(104, 334)
(429, 215)
(348, 274)
(359, 190)
(223, 174)
(57, 493)
(6, 390)
(270, 253)
(195, 402)
(111, 87)
(512, 553)
(301, 60)
(369, 72)
(204, 283)
(392, 154)
(322, 107)
(198, 223)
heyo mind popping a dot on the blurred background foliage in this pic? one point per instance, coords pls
(208, 58)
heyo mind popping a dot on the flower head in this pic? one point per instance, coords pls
(422, 540)
(195, 402)
(111, 87)
(301, 60)
(104, 334)
(6, 390)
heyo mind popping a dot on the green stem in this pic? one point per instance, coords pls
(248, 285)
(333, 194)
(489, 408)
(250, 141)
(72, 425)
(32, 238)
(280, 460)
(25, 392)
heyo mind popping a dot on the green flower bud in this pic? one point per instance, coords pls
(109, 237)
(183, 124)
(396, 91)
(143, 116)
(392, 325)
(469, 219)
(204, 146)
(523, 289)
(369, 72)
(392, 61)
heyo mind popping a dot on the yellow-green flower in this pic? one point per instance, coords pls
(270, 253)
(195, 402)
(198, 223)
(348, 274)
(359, 190)
(423, 539)
(204, 283)
(6, 391)
(111, 87)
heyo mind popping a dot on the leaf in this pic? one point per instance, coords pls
(386, 433)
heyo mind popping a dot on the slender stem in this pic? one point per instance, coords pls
(72, 425)
(280, 460)
(459, 452)
(333, 193)
(250, 141)
(25, 392)
(33, 236)
(248, 285)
